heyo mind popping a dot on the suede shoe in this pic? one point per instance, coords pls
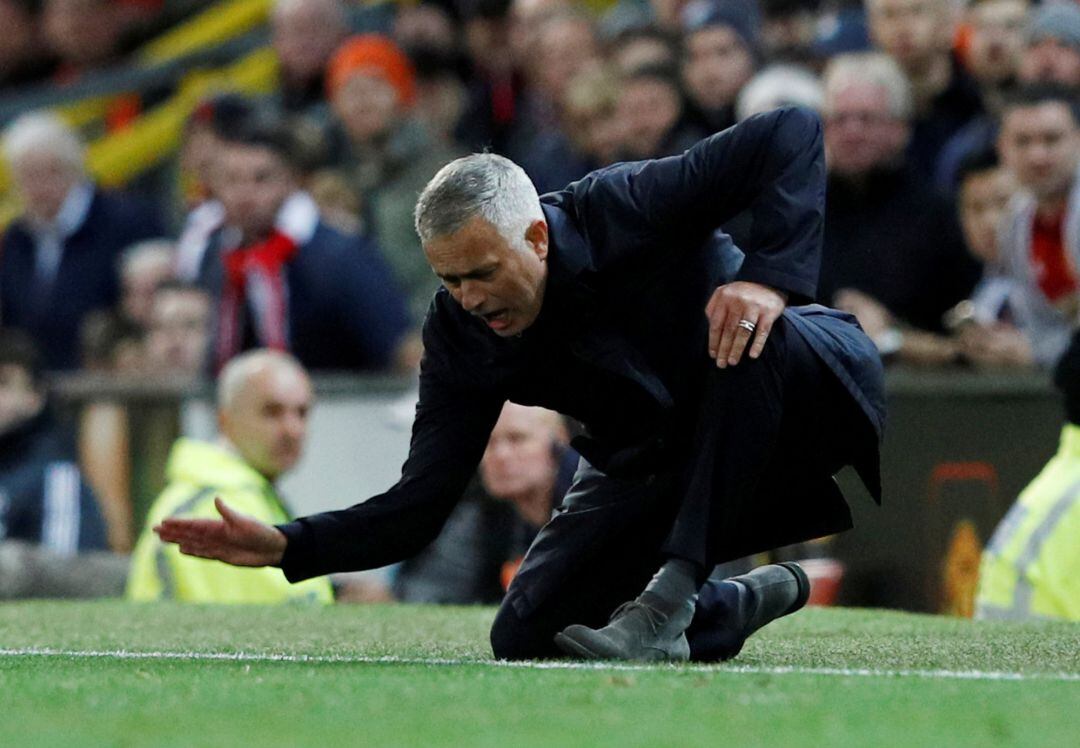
(776, 590)
(637, 631)
(730, 612)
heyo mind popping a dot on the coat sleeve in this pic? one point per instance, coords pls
(451, 429)
(772, 165)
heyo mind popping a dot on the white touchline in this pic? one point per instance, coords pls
(121, 654)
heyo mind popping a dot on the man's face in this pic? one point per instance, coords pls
(82, 32)
(139, 282)
(19, 400)
(304, 36)
(520, 455)
(983, 197)
(179, 331)
(1041, 145)
(563, 49)
(717, 66)
(861, 133)
(18, 43)
(1051, 61)
(252, 182)
(43, 182)
(597, 131)
(267, 420)
(367, 106)
(997, 39)
(648, 109)
(198, 156)
(489, 278)
(912, 32)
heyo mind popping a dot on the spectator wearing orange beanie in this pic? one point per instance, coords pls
(372, 54)
(388, 154)
(371, 84)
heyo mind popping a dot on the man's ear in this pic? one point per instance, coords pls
(536, 236)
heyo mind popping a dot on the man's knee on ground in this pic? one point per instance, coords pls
(514, 639)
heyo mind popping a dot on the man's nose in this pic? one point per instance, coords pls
(470, 295)
(295, 425)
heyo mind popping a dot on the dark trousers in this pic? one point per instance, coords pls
(770, 434)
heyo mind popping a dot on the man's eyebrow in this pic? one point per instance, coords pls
(472, 274)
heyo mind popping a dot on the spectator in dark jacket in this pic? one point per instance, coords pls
(1052, 54)
(893, 253)
(304, 34)
(918, 35)
(43, 499)
(720, 47)
(652, 115)
(285, 279)
(59, 259)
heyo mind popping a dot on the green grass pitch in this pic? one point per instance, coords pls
(114, 674)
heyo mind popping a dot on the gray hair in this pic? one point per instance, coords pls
(42, 131)
(485, 185)
(147, 253)
(333, 11)
(240, 370)
(874, 68)
(777, 86)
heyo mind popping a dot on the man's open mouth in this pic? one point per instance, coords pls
(496, 320)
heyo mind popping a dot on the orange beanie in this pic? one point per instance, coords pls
(374, 54)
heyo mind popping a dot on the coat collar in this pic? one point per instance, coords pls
(568, 297)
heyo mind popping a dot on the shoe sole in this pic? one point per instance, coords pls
(576, 649)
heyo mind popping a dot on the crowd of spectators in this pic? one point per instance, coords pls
(293, 211)
(952, 134)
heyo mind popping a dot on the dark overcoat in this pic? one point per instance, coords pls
(620, 342)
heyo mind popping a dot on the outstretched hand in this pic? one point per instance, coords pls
(236, 539)
(739, 312)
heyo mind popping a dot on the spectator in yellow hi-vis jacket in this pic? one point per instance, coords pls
(263, 402)
(1031, 567)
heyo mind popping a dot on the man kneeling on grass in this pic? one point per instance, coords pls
(607, 302)
(264, 398)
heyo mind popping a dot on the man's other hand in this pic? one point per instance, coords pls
(739, 312)
(235, 538)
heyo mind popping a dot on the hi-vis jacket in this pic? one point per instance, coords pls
(1031, 568)
(196, 473)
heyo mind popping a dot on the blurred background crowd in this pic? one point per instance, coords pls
(186, 180)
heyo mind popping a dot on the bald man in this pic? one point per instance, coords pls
(264, 398)
(527, 468)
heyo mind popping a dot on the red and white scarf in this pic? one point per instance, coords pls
(254, 279)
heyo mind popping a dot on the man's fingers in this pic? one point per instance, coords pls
(764, 327)
(226, 513)
(717, 317)
(173, 531)
(199, 550)
(727, 339)
(741, 338)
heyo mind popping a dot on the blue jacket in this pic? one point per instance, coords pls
(620, 342)
(86, 280)
(345, 309)
(43, 498)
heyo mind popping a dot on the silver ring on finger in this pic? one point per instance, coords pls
(747, 325)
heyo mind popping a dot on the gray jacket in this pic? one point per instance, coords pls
(1045, 325)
